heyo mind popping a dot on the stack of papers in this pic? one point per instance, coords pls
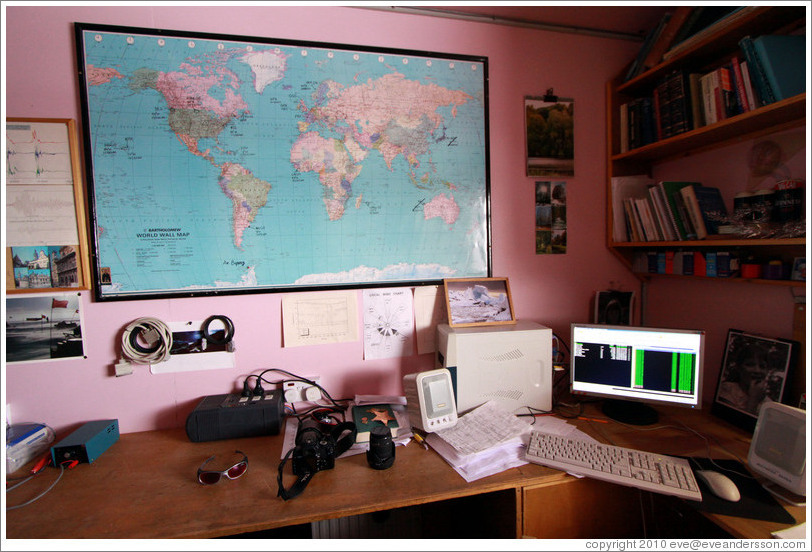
(485, 441)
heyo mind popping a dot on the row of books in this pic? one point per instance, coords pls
(768, 68)
(678, 29)
(713, 264)
(665, 210)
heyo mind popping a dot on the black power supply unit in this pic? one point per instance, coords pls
(233, 416)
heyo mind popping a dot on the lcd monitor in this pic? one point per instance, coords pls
(636, 368)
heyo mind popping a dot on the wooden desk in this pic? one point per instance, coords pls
(716, 439)
(145, 486)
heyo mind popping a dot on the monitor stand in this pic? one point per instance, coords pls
(630, 412)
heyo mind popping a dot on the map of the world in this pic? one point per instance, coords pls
(221, 164)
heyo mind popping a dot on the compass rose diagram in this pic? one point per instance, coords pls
(388, 324)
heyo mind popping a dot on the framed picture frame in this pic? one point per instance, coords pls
(614, 307)
(251, 183)
(46, 225)
(798, 269)
(549, 148)
(478, 302)
(755, 370)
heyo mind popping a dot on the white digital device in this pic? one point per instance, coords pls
(511, 364)
(778, 449)
(430, 400)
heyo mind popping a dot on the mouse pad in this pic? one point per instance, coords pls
(755, 503)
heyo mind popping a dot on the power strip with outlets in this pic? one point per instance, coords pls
(298, 391)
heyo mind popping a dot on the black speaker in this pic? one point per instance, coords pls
(233, 416)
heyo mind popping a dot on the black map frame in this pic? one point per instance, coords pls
(102, 279)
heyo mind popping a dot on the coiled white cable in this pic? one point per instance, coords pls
(151, 331)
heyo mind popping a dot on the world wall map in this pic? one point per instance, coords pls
(220, 165)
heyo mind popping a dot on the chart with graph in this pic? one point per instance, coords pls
(46, 241)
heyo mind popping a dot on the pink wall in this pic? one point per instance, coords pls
(553, 290)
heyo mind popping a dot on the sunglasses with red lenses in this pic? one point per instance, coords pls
(210, 477)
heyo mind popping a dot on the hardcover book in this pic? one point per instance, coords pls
(677, 208)
(711, 207)
(694, 213)
(782, 58)
(368, 416)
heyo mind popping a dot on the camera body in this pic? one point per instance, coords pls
(315, 451)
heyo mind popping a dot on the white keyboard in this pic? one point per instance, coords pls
(634, 468)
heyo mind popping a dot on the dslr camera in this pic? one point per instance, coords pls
(314, 451)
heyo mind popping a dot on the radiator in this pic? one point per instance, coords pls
(390, 524)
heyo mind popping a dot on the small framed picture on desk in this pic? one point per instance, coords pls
(478, 301)
(755, 370)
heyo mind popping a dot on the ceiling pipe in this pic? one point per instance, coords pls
(482, 18)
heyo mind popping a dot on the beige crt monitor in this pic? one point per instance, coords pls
(511, 364)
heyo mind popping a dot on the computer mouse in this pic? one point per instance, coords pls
(720, 485)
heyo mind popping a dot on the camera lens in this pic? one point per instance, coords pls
(381, 453)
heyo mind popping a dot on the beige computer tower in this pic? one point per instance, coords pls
(511, 364)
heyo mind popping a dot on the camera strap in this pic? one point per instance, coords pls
(298, 486)
(342, 445)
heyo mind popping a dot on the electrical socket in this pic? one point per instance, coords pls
(298, 391)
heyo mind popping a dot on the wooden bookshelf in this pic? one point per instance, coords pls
(711, 50)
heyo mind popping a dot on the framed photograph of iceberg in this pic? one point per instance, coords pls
(478, 301)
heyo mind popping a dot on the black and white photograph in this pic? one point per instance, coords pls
(799, 269)
(614, 307)
(479, 301)
(755, 370)
(43, 327)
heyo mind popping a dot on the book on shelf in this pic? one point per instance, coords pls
(624, 127)
(712, 208)
(668, 111)
(665, 39)
(692, 207)
(777, 65)
(370, 415)
(629, 223)
(662, 114)
(677, 210)
(708, 83)
(710, 264)
(660, 208)
(679, 103)
(734, 104)
(722, 96)
(702, 23)
(738, 78)
(706, 209)
(700, 266)
(752, 99)
(650, 230)
(624, 188)
(695, 90)
(638, 65)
